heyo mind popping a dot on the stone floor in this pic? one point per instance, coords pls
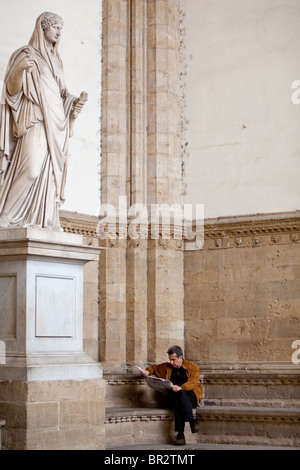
(187, 447)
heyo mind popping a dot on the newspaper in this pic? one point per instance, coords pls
(156, 382)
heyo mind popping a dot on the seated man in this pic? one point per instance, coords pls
(186, 392)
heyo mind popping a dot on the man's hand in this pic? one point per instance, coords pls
(146, 372)
(176, 388)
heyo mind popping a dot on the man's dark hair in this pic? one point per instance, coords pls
(175, 350)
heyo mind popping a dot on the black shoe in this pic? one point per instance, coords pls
(194, 426)
(180, 439)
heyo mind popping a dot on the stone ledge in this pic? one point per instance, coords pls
(122, 379)
(74, 222)
(124, 415)
(286, 222)
(212, 413)
(253, 403)
(251, 379)
(37, 243)
(249, 413)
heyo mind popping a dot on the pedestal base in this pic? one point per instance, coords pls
(53, 415)
(41, 291)
(51, 392)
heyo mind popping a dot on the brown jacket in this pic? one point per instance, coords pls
(164, 371)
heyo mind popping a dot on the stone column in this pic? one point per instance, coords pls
(138, 102)
(137, 244)
(115, 147)
(141, 308)
(51, 392)
(165, 254)
(136, 339)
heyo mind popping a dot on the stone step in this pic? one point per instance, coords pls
(249, 425)
(256, 403)
(251, 412)
(152, 447)
(128, 426)
(239, 408)
(260, 426)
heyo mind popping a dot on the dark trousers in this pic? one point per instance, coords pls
(182, 403)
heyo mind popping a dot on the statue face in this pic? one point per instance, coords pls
(53, 34)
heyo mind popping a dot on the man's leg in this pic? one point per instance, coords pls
(183, 408)
(183, 403)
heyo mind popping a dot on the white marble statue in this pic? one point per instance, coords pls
(36, 120)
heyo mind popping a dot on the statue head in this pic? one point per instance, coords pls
(48, 19)
(51, 25)
(47, 28)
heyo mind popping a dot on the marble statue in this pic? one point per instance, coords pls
(37, 116)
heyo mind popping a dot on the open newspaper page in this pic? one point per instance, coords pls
(156, 382)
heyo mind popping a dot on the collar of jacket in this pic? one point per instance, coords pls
(170, 368)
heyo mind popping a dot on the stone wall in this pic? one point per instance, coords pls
(53, 415)
(241, 126)
(242, 292)
(137, 329)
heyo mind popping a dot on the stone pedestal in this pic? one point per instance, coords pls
(47, 382)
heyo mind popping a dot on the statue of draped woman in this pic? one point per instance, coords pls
(37, 115)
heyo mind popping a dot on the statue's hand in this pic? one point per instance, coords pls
(14, 83)
(79, 103)
(27, 62)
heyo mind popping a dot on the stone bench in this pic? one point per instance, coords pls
(249, 425)
(239, 407)
(130, 426)
(2, 424)
(262, 426)
(134, 426)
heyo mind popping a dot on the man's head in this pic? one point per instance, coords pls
(175, 356)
